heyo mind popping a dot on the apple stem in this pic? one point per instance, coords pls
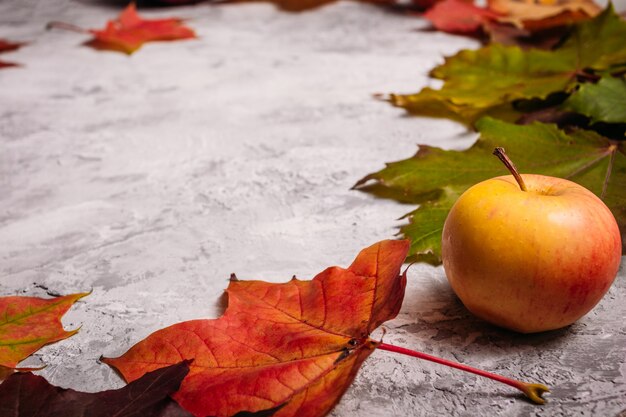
(532, 391)
(65, 26)
(501, 154)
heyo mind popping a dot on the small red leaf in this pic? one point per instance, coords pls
(129, 32)
(457, 16)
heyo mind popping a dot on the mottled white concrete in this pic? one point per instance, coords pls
(149, 179)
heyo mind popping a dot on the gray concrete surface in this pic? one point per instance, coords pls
(149, 179)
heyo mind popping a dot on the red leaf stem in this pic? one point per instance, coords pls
(532, 391)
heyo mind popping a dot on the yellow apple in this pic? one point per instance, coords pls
(530, 260)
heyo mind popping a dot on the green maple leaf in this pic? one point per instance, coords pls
(602, 102)
(487, 80)
(435, 177)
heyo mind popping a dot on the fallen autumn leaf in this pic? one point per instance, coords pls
(299, 343)
(543, 14)
(130, 31)
(28, 395)
(28, 323)
(457, 16)
(486, 81)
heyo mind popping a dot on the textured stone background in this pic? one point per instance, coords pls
(149, 179)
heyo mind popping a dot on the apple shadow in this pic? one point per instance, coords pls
(434, 310)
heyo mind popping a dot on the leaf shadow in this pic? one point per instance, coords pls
(103, 46)
(380, 191)
(221, 303)
(499, 396)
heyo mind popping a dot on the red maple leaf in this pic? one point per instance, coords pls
(296, 345)
(130, 31)
(457, 16)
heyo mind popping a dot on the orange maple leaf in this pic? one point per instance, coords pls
(293, 347)
(543, 14)
(28, 323)
(129, 31)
